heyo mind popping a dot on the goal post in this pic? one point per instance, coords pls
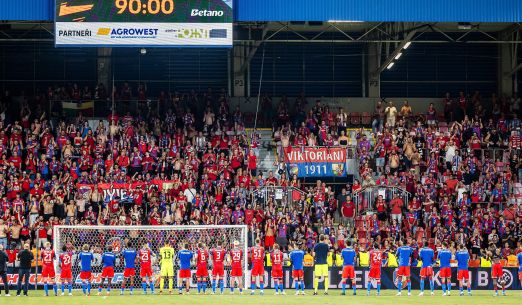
(100, 237)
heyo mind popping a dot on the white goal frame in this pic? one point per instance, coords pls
(57, 241)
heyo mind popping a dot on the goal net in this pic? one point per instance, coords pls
(122, 237)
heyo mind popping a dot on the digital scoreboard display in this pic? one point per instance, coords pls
(137, 23)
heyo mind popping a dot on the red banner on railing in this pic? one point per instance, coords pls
(123, 190)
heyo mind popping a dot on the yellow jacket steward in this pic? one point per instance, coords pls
(268, 261)
(364, 259)
(308, 260)
(392, 260)
(485, 263)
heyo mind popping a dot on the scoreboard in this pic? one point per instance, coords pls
(138, 23)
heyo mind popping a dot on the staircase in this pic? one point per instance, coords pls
(267, 152)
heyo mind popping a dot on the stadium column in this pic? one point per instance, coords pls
(373, 62)
(104, 67)
(507, 63)
(239, 80)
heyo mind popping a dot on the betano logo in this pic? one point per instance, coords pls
(206, 13)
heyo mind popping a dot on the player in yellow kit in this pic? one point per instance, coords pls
(166, 266)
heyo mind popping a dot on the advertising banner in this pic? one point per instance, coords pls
(124, 191)
(316, 161)
(143, 23)
(480, 278)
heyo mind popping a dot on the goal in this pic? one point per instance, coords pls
(100, 237)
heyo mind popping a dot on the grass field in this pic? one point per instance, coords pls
(334, 297)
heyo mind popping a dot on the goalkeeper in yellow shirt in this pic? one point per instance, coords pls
(166, 266)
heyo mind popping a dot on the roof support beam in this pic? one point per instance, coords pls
(397, 50)
(369, 31)
(515, 70)
(251, 51)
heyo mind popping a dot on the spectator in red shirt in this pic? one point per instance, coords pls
(348, 212)
(396, 205)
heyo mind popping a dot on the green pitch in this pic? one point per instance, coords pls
(334, 297)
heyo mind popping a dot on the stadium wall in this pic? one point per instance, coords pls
(310, 10)
(321, 70)
(434, 69)
(337, 70)
(32, 67)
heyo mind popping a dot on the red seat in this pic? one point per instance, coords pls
(366, 118)
(355, 118)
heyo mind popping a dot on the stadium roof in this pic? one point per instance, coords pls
(325, 10)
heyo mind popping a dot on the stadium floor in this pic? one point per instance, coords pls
(334, 297)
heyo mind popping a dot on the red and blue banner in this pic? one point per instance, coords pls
(316, 161)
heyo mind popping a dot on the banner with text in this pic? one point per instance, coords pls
(480, 278)
(143, 23)
(125, 191)
(316, 161)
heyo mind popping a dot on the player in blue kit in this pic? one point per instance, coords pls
(348, 254)
(108, 261)
(404, 253)
(129, 257)
(86, 258)
(462, 257)
(185, 259)
(427, 256)
(444, 258)
(297, 260)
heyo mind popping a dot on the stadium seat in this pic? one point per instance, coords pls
(355, 118)
(366, 118)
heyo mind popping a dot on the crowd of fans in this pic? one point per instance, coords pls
(460, 168)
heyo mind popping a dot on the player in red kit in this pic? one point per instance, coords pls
(276, 257)
(66, 269)
(48, 273)
(257, 254)
(376, 256)
(218, 269)
(497, 272)
(236, 263)
(145, 257)
(202, 256)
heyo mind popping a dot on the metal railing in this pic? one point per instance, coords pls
(366, 197)
(281, 196)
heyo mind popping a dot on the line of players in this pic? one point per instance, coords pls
(234, 257)
(404, 255)
(219, 256)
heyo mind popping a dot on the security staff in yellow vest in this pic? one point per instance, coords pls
(329, 258)
(392, 260)
(485, 262)
(268, 261)
(364, 258)
(308, 260)
(338, 259)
